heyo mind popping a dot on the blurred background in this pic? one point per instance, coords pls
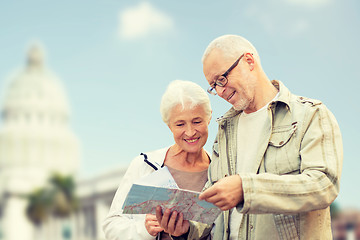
(81, 83)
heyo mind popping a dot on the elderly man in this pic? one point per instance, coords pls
(277, 157)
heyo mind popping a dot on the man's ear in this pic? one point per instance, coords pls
(250, 60)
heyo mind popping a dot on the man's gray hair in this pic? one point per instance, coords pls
(185, 93)
(232, 46)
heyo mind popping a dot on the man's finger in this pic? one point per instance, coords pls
(221, 204)
(214, 199)
(207, 193)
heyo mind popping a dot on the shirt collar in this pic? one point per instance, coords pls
(283, 96)
(284, 93)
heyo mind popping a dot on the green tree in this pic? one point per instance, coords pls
(57, 198)
(39, 205)
(64, 200)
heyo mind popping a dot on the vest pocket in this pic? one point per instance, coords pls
(282, 135)
(282, 155)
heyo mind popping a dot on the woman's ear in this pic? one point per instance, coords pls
(210, 117)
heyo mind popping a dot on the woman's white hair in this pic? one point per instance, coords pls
(185, 93)
(232, 46)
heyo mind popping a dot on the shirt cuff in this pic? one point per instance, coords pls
(142, 232)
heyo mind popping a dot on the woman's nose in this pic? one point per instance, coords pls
(190, 131)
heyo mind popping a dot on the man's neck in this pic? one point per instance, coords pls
(265, 92)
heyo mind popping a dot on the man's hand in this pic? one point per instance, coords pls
(226, 193)
(152, 225)
(172, 222)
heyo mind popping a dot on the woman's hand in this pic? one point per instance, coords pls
(152, 225)
(172, 222)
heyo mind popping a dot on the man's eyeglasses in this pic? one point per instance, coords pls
(222, 80)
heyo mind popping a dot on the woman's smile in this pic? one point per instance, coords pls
(192, 140)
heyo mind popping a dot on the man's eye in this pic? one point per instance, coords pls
(221, 79)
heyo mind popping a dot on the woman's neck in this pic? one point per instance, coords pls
(179, 159)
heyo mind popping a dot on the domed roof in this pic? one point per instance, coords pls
(35, 88)
(35, 135)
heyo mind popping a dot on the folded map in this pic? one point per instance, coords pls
(143, 199)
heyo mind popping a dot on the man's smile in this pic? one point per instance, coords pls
(231, 95)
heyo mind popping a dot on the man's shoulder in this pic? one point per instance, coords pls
(308, 101)
(293, 100)
(302, 102)
(302, 106)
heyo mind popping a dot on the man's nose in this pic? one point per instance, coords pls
(220, 90)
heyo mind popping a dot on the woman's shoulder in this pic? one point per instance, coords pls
(156, 157)
(156, 154)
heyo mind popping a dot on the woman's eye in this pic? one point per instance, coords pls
(180, 124)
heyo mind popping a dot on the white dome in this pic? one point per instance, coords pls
(35, 89)
(35, 137)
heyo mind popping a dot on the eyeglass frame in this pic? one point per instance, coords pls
(219, 83)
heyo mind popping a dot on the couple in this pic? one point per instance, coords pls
(275, 165)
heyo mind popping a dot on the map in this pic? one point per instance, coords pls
(143, 199)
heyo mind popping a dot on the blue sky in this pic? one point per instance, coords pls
(116, 58)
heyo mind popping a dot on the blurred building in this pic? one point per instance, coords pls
(35, 141)
(346, 225)
(96, 194)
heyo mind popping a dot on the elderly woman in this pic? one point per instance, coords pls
(185, 108)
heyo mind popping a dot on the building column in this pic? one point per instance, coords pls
(102, 209)
(16, 224)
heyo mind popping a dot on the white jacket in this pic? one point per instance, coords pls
(118, 226)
